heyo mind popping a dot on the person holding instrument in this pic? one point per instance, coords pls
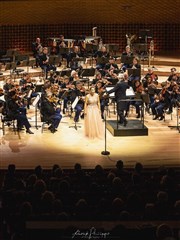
(92, 115)
(50, 111)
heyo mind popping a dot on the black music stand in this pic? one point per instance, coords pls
(87, 72)
(105, 152)
(54, 60)
(126, 59)
(65, 73)
(113, 49)
(90, 50)
(134, 72)
(85, 80)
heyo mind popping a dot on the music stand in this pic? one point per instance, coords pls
(35, 104)
(65, 73)
(126, 59)
(84, 80)
(134, 72)
(113, 48)
(141, 48)
(30, 63)
(54, 60)
(87, 72)
(73, 105)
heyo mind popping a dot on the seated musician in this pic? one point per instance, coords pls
(127, 53)
(44, 62)
(16, 110)
(174, 91)
(111, 65)
(102, 57)
(50, 110)
(174, 76)
(161, 102)
(72, 59)
(138, 89)
(134, 77)
(78, 92)
(37, 49)
(28, 90)
(151, 75)
(74, 77)
(62, 44)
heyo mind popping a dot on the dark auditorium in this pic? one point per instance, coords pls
(89, 120)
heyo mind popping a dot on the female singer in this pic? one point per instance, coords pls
(92, 122)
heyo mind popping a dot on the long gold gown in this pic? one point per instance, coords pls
(93, 123)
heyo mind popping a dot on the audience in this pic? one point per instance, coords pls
(95, 195)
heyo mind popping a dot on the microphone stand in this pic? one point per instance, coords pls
(105, 152)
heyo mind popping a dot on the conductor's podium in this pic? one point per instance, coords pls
(134, 127)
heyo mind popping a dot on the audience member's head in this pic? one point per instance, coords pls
(164, 231)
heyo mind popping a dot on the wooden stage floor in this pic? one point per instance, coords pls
(68, 146)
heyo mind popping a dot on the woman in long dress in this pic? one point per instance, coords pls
(92, 122)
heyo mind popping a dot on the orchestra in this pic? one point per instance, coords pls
(58, 92)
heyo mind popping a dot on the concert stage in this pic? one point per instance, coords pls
(134, 127)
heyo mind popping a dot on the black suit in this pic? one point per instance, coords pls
(120, 94)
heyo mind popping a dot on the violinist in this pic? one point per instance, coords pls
(51, 111)
(151, 74)
(111, 65)
(161, 102)
(174, 76)
(16, 110)
(174, 91)
(138, 89)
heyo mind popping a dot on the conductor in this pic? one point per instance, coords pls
(120, 94)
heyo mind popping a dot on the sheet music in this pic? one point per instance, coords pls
(36, 100)
(2, 98)
(130, 92)
(111, 94)
(75, 102)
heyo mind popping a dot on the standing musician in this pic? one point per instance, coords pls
(50, 110)
(16, 110)
(79, 92)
